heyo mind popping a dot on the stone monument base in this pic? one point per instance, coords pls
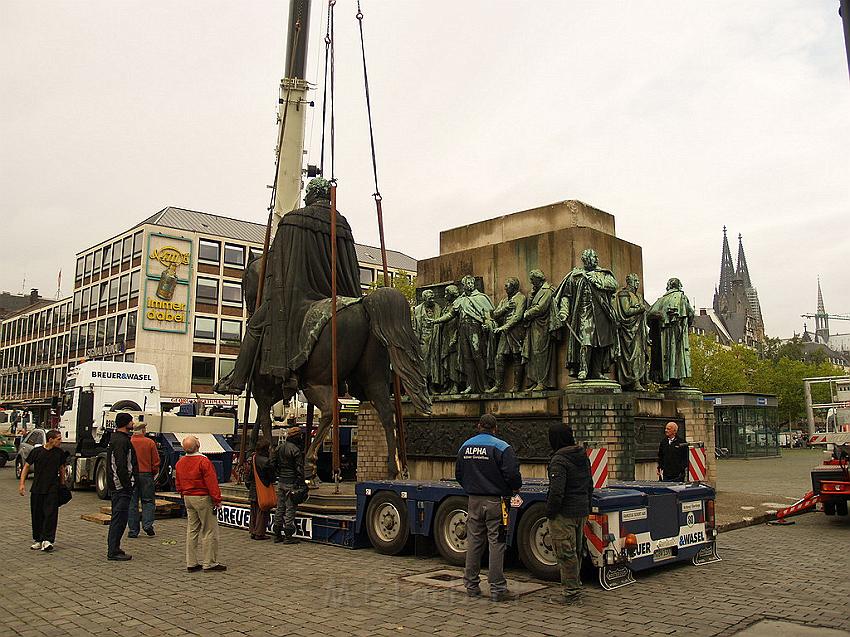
(629, 424)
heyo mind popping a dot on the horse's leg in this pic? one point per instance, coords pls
(320, 396)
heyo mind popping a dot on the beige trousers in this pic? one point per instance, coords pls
(201, 523)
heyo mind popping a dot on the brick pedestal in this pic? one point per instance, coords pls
(607, 419)
(371, 445)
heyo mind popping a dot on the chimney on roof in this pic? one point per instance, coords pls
(33, 295)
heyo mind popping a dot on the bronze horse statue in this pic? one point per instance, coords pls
(371, 334)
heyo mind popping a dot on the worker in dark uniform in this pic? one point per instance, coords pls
(288, 463)
(488, 471)
(568, 505)
(672, 455)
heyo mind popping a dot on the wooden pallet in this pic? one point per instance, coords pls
(97, 518)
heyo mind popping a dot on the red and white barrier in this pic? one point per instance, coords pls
(807, 502)
(598, 466)
(697, 464)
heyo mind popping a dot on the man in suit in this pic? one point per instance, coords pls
(672, 455)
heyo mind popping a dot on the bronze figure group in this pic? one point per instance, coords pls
(469, 345)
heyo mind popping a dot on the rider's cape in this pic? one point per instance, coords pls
(299, 274)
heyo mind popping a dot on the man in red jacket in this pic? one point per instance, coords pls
(144, 490)
(196, 481)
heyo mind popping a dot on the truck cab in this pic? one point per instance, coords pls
(94, 390)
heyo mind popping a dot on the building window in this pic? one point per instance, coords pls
(80, 262)
(86, 299)
(110, 330)
(98, 255)
(128, 249)
(204, 328)
(255, 253)
(130, 357)
(116, 253)
(101, 333)
(137, 245)
(72, 341)
(134, 284)
(113, 291)
(367, 275)
(231, 331)
(89, 259)
(91, 335)
(209, 251)
(225, 366)
(207, 290)
(121, 329)
(107, 256)
(231, 293)
(124, 290)
(203, 370)
(234, 256)
(94, 298)
(104, 294)
(131, 326)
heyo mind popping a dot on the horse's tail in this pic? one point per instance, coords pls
(389, 320)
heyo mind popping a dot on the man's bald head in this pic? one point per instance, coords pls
(191, 444)
(671, 429)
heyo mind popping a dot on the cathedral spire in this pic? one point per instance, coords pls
(821, 318)
(821, 308)
(727, 270)
(742, 272)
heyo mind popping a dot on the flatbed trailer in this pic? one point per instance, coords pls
(634, 526)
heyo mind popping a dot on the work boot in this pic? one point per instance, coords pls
(503, 596)
(291, 539)
(278, 537)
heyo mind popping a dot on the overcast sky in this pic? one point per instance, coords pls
(676, 117)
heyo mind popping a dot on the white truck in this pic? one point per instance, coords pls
(94, 394)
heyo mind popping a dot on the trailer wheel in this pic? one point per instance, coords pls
(126, 405)
(841, 507)
(450, 529)
(387, 523)
(535, 545)
(4, 458)
(100, 486)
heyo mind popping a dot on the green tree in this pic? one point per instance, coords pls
(402, 281)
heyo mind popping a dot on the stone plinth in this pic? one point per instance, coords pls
(550, 238)
(629, 424)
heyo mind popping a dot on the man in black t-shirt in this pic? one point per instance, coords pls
(49, 463)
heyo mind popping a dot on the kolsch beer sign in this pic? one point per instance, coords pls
(168, 271)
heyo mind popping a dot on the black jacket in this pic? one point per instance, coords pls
(673, 459)
(122, 468)
(264, 470)
(288, 463)
(487, 465)
(570, 483)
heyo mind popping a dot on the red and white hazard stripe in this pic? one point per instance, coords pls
(696, 464)
(599, 466)
(817, 439)
(808, 501)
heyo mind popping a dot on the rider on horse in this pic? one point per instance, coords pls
(298, 273)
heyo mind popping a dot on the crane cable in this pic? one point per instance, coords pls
(401, 438)
(262, 276)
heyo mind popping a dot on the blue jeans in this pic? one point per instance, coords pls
(118, 521)
(143, 491)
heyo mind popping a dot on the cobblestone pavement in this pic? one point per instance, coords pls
(768, 572)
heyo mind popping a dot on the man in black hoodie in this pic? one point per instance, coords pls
(122, 471)
(568, 505)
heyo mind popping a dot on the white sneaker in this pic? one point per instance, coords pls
(37, 546)
(47, 546)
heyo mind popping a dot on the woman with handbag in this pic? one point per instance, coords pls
(260, 483)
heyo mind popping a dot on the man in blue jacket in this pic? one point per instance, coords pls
(488, 471)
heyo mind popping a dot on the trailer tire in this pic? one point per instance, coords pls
(4, 458)
(100, 485)
(841, 507)
(387, 523)
(533, 543)
(450, 529)
(126, 405)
